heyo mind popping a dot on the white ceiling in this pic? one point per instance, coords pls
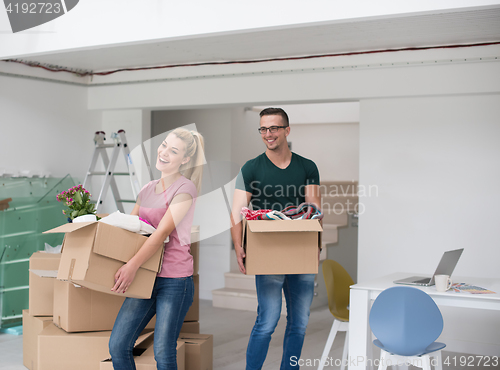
(477, 25)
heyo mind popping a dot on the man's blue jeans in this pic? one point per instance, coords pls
(299, 292)
(170, 301)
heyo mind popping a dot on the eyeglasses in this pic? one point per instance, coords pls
(272, 129)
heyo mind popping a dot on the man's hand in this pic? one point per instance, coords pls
(240, 254)
(123, 278)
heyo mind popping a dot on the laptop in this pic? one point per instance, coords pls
(445, 267)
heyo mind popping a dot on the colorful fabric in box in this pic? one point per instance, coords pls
(302, 212)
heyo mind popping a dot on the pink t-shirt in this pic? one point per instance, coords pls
(177, 260)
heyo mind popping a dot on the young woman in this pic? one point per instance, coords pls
(168, 205)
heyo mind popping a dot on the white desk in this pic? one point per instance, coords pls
(363, 293)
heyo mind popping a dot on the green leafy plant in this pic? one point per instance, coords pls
(78, 201)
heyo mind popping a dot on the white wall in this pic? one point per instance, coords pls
(45, 127)
(333, 147)
(434, 161)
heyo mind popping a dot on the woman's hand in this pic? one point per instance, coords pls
(123, 278)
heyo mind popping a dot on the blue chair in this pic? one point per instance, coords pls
(406, 322)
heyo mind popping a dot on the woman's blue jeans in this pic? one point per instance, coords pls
(299, 292)
(170, 301)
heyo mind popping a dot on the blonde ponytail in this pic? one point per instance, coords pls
(195, 145)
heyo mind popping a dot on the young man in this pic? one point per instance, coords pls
(274, 180)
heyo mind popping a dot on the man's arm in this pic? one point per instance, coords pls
(241, 199)
(313, 195)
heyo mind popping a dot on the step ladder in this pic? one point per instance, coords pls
(119, 144)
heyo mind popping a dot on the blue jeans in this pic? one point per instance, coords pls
(170, 301)
(299, 292)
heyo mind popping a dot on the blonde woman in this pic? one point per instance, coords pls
(167, 204)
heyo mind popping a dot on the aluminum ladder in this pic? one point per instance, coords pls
(119, 144)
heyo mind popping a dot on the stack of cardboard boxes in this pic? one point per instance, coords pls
(72, 309)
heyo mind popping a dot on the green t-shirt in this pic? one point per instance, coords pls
(276, 188)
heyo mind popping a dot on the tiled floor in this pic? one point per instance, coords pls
(231, 329)
(11, 352)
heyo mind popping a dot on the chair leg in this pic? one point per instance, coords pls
(329, 343)
(426, 362)
(344, 353)
(384, 357)
(438, 362)
(369, 353)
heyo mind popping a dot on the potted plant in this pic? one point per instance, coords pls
(80, 209)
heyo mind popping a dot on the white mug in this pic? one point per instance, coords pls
(443, 282)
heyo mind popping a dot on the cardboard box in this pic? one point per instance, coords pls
(281, 246)
(194, 311)
(146, 361)
(191, 327)
(32, 326)
(58, 350)
(144, 358)
(80, 309)
(199, 351)
(43, 270)
(93, 252)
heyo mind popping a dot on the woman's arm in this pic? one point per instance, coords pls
(175, 213)
(135, 211)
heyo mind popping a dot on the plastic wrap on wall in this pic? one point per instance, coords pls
(33, 209)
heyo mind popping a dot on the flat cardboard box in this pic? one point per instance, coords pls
(199, 351)
(281, 246)
(194, 311)
(43, 270)
(32, 326)
(92, 252)
(80, 309)
(144, 358)
(58, 350)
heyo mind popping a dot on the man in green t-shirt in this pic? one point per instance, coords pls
(274, 180)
